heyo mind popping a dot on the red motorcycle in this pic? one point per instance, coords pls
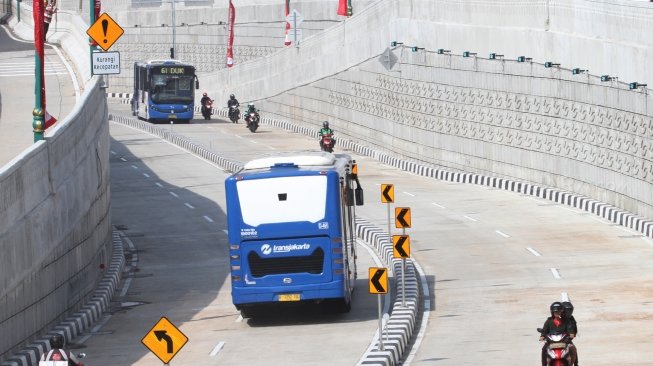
(558, 349)
(327, 142)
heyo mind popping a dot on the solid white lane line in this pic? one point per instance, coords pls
(410, 194)
(174, 194)
(146, 175)
(188, 205)
(134, 166)
(216, 349)
(159, 184)
(239, 319)
(555, 273)
(568, 209)
(469, 218)
(647, 240)
(208, 218)
(502, 233)
(535, 253)
(436, 205)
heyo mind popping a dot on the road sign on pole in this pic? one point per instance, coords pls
(401, 246)
(294, 18)
(164, 340)
(378, 280)
(387, 193)
(402, 217)
(105, 31)
(105, 63)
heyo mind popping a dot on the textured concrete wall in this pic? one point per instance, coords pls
(55, 227)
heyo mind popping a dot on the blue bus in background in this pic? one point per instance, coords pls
(291, 230)
(164, 90)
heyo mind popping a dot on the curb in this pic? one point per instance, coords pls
(81, 320)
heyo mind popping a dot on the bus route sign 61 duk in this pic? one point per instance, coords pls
(105, 63)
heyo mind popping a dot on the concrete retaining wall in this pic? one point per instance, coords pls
(55, 224)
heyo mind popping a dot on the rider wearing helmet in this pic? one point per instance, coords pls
(555, 324)
(250, 108)
(325, 130)
(573, 328)
(232, 101)
(57, 353)
(205, 98)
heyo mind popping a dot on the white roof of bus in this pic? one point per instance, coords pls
(299, 159)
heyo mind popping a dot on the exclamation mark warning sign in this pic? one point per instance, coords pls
(105, 31)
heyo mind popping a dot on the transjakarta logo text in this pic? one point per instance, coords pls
(267, 248)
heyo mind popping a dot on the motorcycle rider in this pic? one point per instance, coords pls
(232, 102)
(57, 353)
(205, 101)
(250, 108)
(556, 324)
(325, 130)
(573, 328)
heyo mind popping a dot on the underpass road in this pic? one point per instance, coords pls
(495, 260)
(170, 205)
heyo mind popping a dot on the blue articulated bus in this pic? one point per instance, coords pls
(164, 90)
(291, 230)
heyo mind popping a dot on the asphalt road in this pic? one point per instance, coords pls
(494, 261)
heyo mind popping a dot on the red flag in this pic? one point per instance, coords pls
(39, 40)
(287, 41)
(230, 45)
(96, 11)
(342, 7)
(49, 120)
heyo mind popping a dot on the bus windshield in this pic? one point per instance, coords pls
(286, 199)
(172, 88)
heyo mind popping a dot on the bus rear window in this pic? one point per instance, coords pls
(283, 199)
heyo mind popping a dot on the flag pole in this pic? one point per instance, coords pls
(38, 111)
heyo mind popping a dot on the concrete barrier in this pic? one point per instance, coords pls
(55, 224)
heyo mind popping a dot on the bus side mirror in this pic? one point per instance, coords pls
(197, 84)
(349, 197)
(359, 196)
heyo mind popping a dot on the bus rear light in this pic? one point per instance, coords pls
(337, 239)
(338, 272)
(337, 261)
(337, 250)
(234, 247)
(235, 268)
(235, 257)
(235, 278)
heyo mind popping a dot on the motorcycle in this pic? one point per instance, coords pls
(234, 114)
(327, 142)
(252, 120)
(558, 349)
(207, 109)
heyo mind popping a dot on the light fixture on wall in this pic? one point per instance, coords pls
(577, 71)
(467, 54)
(442, 51)
(549, 64)
(494, 56)
(524, 59)
(605, 78)
(395, 43)
(636, 85)
(415, 48)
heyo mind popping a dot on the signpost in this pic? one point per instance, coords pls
(388, 196)
(379, 285)
(105, 63)
(401, 249)
(105, 31)
(164, 340)
(294, 18)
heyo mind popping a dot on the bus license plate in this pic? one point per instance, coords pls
(172, 116)
(289, 297)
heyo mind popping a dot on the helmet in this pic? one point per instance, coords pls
(556, 306)
(56, 341)
(325, 124)
(250, 105)
(232, 96)
(569, 308)
(205, 94)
